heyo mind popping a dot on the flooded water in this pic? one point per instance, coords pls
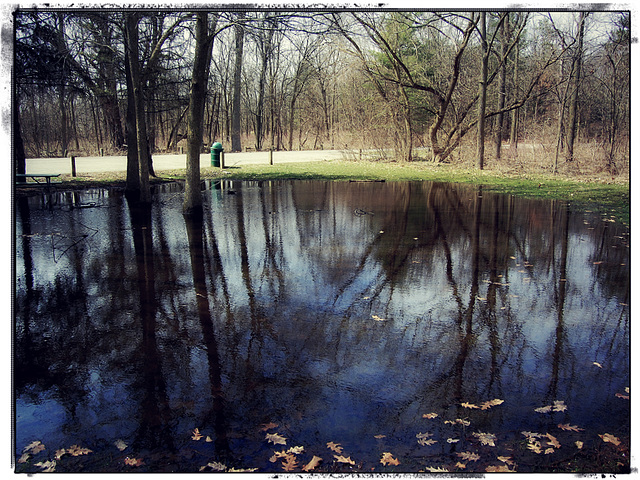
(401, 318)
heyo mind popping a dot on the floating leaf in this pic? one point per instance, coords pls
(461, 465)
(315, 461)
(60, 453)
(535, 446)
(47, 467)
(379, 436)
(208, 439)
(290, 464)
(579, 444)
(469, 405)
(559, 406)
(553, 441)
(597, 364)
(469, 456)
(133, 462)
(486, 438)
(335, 447)
(34, 447)
(24, 458)
(268, 426)
(531, 435)
(549, 451)
(498, 469)
(120, 445)
(341, 459)
(491, 403)
(571, 428)
(76, 450)
(387, 459)
(215, 466)
(437, 469)
(195, 435)
(453, 440)
(377, 318)
(276, 439)
(506, 460)
(296, 450)
(429, 415)
(619, 395)
(607, 437)
(545, 409)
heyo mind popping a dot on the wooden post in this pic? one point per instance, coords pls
(73, 166)
(270, 156)
(221, 160)
(102, 152)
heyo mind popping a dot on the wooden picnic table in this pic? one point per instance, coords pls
(35, 176)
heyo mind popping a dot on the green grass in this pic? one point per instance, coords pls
(601, 195)
(605, 197)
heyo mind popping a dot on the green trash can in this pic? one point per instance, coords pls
(216, 150)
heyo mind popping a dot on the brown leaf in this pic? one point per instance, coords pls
(387, 459)
(290, 464)
(276, 439)
(429, 415)
(499, 468)
(315, 461)
(486, 438)
(195, 435)
(469, 405)
(76, 450)
(34, 447)
(607, 437)
(268, 426)
(491, 403)
(571, 428)
(24, 458)
(506, 460)
(469, 456)
(47, 467)
(553, 441)
(335, 447)
(133, 462)
(341, 459)
(620, 395)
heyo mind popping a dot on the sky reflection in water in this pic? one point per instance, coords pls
(338, 310)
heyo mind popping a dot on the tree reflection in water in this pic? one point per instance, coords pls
(340, 311)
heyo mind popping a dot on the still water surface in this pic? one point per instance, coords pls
(342, 312)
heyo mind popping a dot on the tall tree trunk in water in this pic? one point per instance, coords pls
(236, 125)
(483, 90)
(195, 116)
(572, 121)
(138, 101)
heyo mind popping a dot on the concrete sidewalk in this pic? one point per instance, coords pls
(177, 161)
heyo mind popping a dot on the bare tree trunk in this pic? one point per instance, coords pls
(236, 125)
(572, 121)
(204, 42)
(502, 87)
(138, 102)
(482, 105)
(515, 113)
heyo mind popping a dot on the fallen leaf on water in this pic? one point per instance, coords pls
(469, 456)
(315, 461)
(47, 467)
(120, 445)
(553, 441)
(486, 438)
(597, 364)
(498, 469)
(133, 462)
(571, 428)
(461, 465)
(290, 464)
(268, 426)
(195, 435)
(34, 447)
(559, 406)
(619, 395)
(76, 450)
(531, 435)
(208, 439)
(579, 444)
(453, 440)
(506, 460)
(24, 458)
(296, 450)
(377, 318)
(491, 403)
(387, 459)
(548, 451)
(469, 405)
(215, 466)
(437, 469)
(607, 437)
(341, 459)
(535, 446)
(335, 447)
(60, 453)
(429, 415)
(545, 409)
(242, 470)
(276, 439)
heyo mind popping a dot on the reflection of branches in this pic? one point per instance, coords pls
(83, 237)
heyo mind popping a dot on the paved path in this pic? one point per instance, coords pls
(169, 162)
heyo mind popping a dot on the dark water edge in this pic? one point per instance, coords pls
(351, 313)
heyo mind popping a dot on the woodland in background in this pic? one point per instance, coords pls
(406, 85)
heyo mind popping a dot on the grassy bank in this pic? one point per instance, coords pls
(599, 193)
